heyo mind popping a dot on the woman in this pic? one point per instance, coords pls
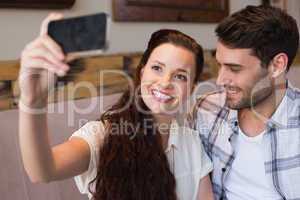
(156, 159)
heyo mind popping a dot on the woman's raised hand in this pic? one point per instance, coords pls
(42, 60)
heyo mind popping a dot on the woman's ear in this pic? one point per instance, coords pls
(279, 64)
(142, 72)
(193, 87)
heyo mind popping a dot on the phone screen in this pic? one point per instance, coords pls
(79, 34)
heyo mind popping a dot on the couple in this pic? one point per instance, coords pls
(249, 144)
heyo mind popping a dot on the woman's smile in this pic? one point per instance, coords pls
(161, 96)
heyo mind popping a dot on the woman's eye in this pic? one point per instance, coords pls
(156, 68)
(181, 77)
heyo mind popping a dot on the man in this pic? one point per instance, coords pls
(253, 138)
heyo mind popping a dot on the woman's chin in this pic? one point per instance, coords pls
(157, 106)
(164, 109)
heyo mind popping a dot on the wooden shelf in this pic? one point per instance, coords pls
(88, 71)
(170, 11)
(37, 4)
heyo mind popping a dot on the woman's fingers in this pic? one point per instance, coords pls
(53, 47)
(43, 52)
(41, 60)
(48, 43)
(44, 48)
(39, 63)
(50, 17)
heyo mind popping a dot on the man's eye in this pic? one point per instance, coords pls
(156, 68)
(181, 77)
(235, 69)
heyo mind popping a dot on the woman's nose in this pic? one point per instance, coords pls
(166, 81)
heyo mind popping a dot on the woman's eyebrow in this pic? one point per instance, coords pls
(179, 69)
(182, 70)
(158, 62)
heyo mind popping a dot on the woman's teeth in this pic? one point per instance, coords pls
(161, 96)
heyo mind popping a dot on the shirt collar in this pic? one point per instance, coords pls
(280, 117)
(173, 136)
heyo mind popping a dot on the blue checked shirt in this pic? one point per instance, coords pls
(218, 128)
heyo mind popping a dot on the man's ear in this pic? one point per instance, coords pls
(279, 64)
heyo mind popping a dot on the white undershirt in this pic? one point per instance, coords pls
(247, 179)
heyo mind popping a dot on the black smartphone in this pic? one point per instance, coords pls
(81, 36)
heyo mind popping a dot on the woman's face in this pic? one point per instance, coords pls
(167, 78)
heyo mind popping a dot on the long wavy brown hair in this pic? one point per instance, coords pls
(132, 163)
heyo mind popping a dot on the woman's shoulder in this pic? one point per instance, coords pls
(92, 127)
(93, 132)
(192, 148)
(189, 136)
(185, 137)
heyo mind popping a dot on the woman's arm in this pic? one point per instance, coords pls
(41, 61)
(43, 163)
(205, 189)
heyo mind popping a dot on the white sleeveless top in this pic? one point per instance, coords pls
(187, 158)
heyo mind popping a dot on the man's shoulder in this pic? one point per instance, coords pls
(293, 94)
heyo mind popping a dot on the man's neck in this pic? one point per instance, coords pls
(253, 120)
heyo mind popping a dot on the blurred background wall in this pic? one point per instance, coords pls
(19, 26)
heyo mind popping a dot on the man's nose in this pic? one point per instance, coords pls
(223, 77)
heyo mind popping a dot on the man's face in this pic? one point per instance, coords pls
(246, 82)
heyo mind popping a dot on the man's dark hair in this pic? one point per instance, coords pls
(264, 29)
